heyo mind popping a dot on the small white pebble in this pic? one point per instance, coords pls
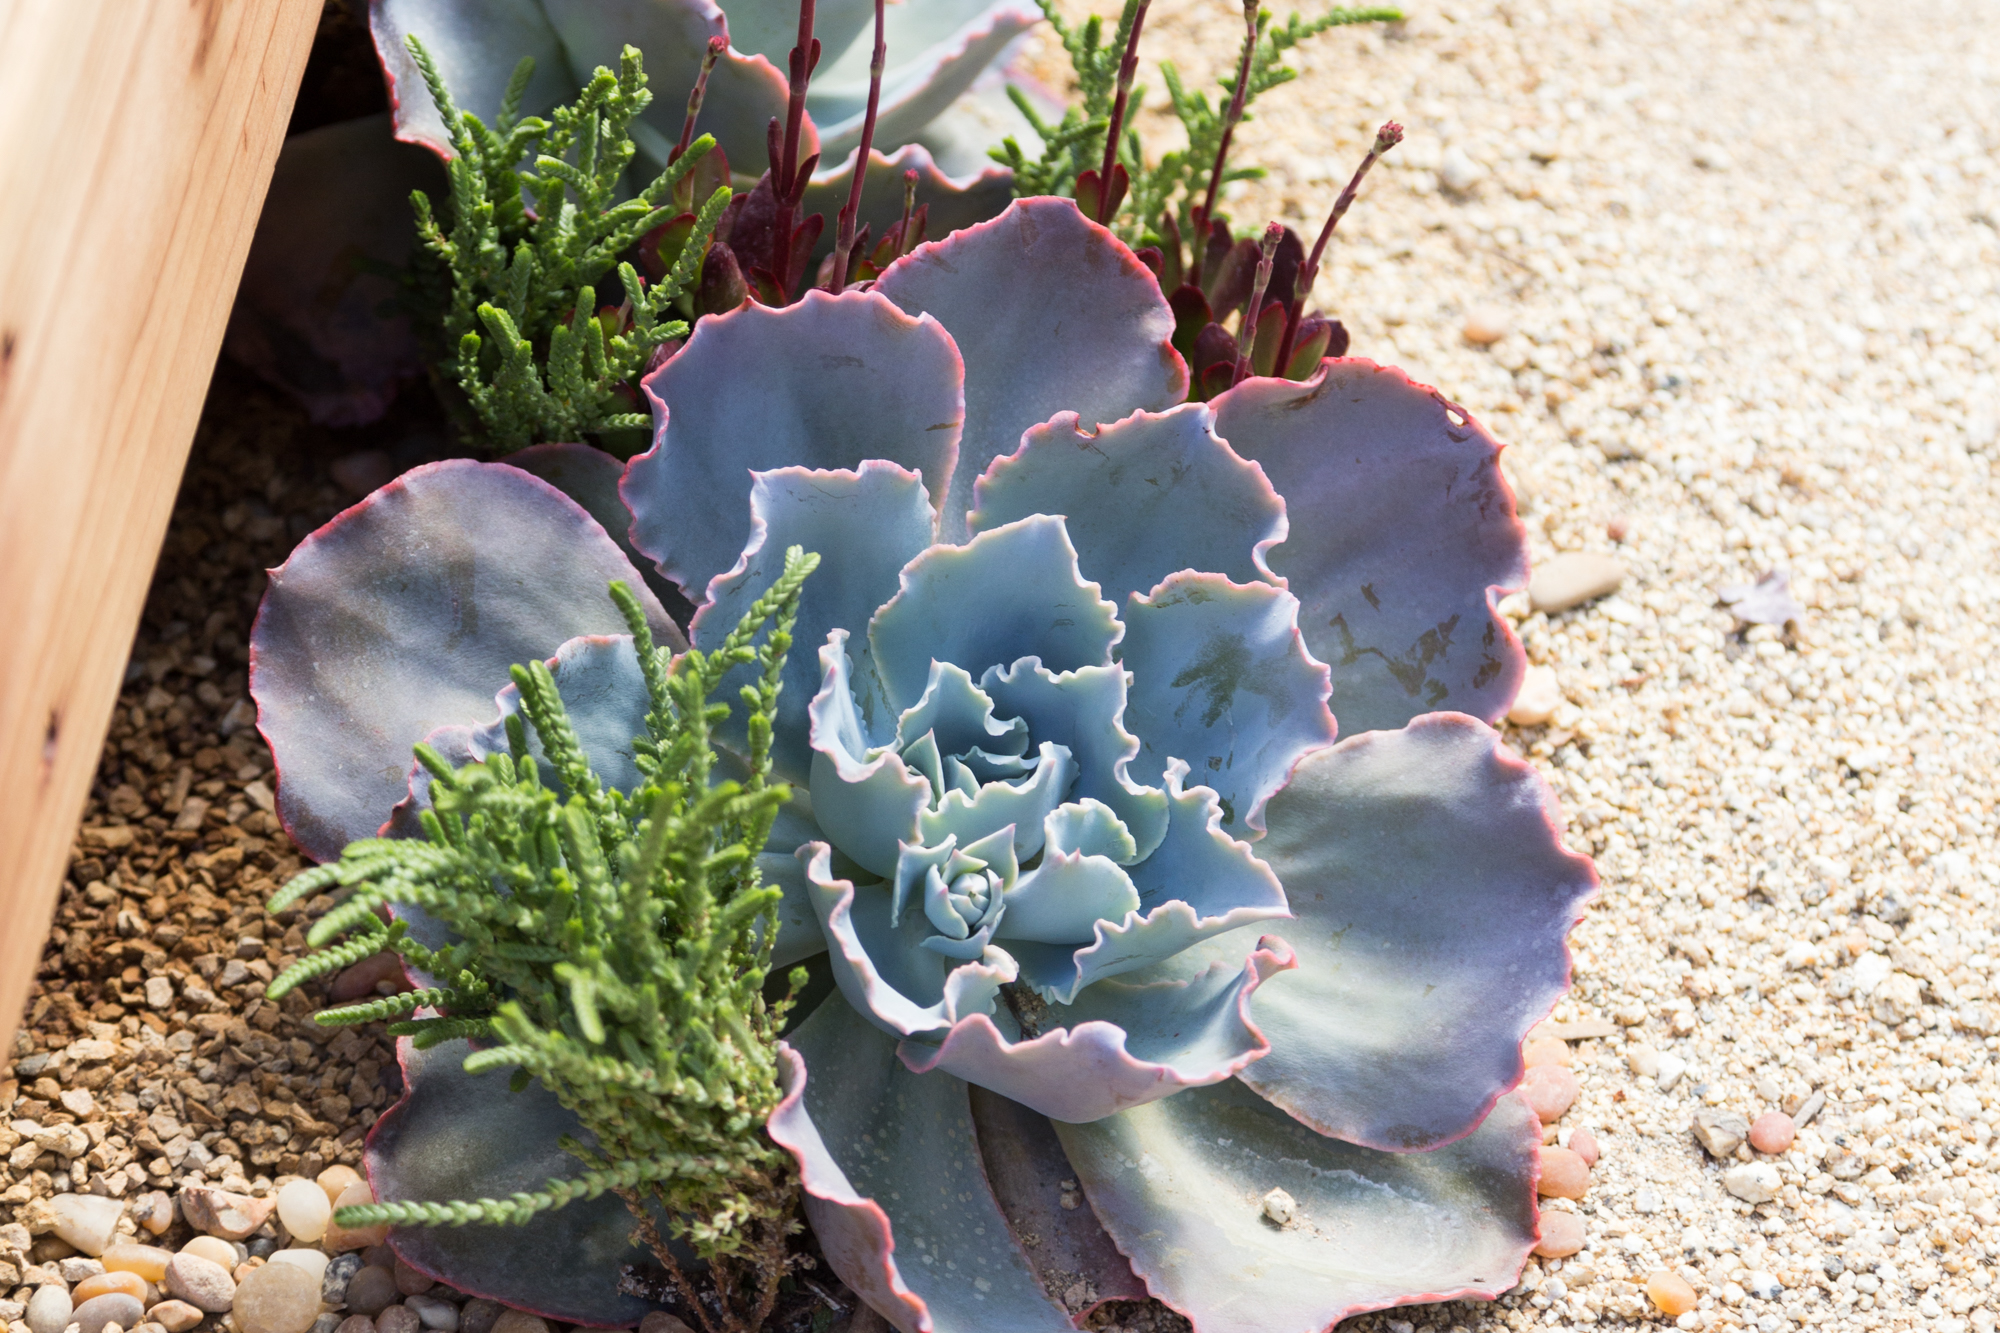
(303, 1208)
(1280, 1207)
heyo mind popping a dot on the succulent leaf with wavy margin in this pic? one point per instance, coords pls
(1076, 831)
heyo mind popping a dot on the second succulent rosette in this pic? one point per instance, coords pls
(1074, 832)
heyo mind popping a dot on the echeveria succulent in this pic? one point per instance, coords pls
(1100, 895)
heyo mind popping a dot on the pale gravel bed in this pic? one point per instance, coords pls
(1748, 258)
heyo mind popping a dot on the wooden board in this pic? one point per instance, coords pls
(140, 137)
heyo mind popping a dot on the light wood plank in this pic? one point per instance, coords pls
(143, 137)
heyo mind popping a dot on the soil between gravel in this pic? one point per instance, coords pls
(1746, 257)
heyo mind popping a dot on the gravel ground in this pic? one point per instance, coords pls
(1723, 277)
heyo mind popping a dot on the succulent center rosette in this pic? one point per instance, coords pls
(1098, 895)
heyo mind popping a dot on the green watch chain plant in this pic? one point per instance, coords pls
(613, 948)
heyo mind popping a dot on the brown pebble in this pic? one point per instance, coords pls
(361, 979)
(337, 1237)
(356, 1323)
(478, 1316)
(371, 1290)
(1562, 1235)
(1550, 1090)
(1485, 325)
(398, 1319)
(520, 1321)
(1584, 1144)
(659, 1321)
(335, 1180)
(1772, 1132)
(103, 1283)
(1671, 1293)
(411, 1282)
(1546, 1051)
(1564, 1176)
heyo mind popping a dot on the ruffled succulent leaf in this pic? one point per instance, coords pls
(476, 44)
(1179, 1185)
(1122, 1044)
(308, 312)
(880, 962)
(1197, 883)
(590, 477)
(824, 383)
(860, 787)
(953, 201)
(1082, 710)
(937, 49)
(1142, 498)
(404, 614)
(1031, 1181)
(867, 524)
(455, 1135)
(744, 90)
(1222, 681)
(1008, 594)
(1052, 313)
(894, 1188)
(1413, 533)
(1433, 896)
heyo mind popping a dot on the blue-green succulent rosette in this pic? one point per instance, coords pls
(1102, 897)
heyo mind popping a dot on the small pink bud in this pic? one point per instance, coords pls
(1388, 137)
(1273, 234)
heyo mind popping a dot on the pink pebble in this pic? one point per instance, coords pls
(1772, 1132)
(1550, 1090)
(1562, 1235)
(1584, 1144)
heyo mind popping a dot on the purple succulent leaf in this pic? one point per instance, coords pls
(894, 1186)
(404, 614)
(954, 202)
(1433, 896)
(879, 961)
(1223, 682)
(937, 49)
(744, 91)
(590, 477)
(1413, 530)
(1030, 1179)
(825, 383)
(1010, 593)
(1120, 1045)
(1768, 601)
(476, 44)
(1052, 313)
(306, 316)
(454, 1135)
(1196, 884)
(865, 525)
(1142, 498)
(1178, 1184)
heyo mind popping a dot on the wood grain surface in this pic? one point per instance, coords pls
(140, 138)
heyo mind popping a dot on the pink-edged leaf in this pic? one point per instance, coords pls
(1179, 1184)
(590, 477)
(894, 1187)
(824, 383)
(744, 91)
(309, 314)
(1142, 498)
(1031, 1179)
(403, 615)
(1052, 313)
(476, 44)
(1433, 896)
(955, 202)
(1412, 532)
(1222, 682)
(1121, 1044)
(453, 1136)
(937, 49)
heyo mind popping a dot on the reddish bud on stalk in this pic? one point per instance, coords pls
(1273, 234)
(843, 246)
(1253, 24)
(1386, 138)
(716, 46)
(1111, 189)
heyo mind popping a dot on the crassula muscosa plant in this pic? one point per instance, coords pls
(1103, 895)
